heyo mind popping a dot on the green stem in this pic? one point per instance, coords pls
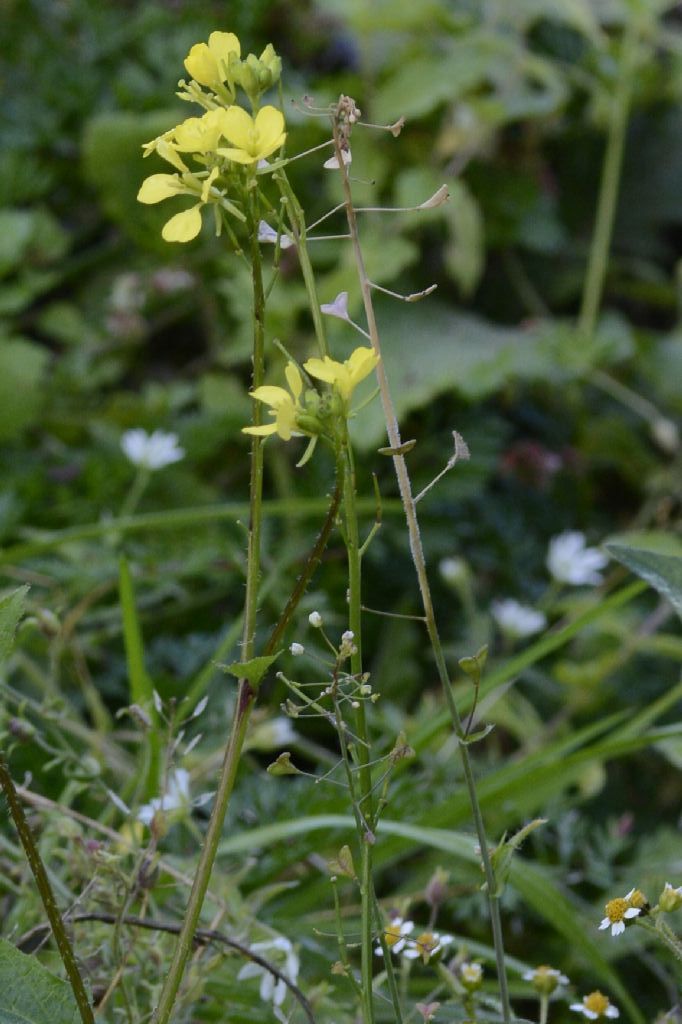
(608, 189)
(366, 837)
(664, 933)
(46, 895)
(298, 230)
(544, 1009)
(418, 558)
(246, 695)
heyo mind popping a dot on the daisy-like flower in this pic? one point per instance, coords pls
(208, 63)
(285, 407)
(670, 899)
(570, 561)
(622, 909)
(272, 989)
(426, 945)
(344, 377)
(471, 976)
(252, 139)
(545, 979)
(151, 451)
(396, 934)
(517, 620)
(594, 1006)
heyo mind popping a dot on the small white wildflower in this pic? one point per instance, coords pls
(426, 945)
(332, 164)
(272, 989)
(395, 935)
(175, 798)
(338, 308)
(296, 649)
(594, 1006)
(569, 561)
(471, 975)
(269, 235)
(622, 909)
(517, 620)
(151, 451)
(453, 570)
(545, 979)
(315, 620)
(348, 637)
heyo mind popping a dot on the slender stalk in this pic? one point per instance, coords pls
(298, 230)
(664, 933)
(544, 1009)
(608, 189)
(365, 803)
(246, 694)
(418, 558)
(46, 895)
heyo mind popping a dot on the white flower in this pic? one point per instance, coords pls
(152, 451)
(296, 649)
(426, 945)
(453, 570)
(348, 637)
(175, 798)
(620, 910)
(268, 234)
(332, 164)
(395, 935)
(273, 989)
(338, 308)
(569, 561)
(517, 620)
(471, 975)
(594, 1006)
(545, 979)
(315, 620)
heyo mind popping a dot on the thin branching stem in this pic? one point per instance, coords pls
(46, 894)
(419, 561)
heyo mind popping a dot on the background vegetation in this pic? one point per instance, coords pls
(569, 416)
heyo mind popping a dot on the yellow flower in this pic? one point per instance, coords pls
(253, 139)
(199, 134)
(184, 226)
(208, 64)
(284, 407)
(346, 376)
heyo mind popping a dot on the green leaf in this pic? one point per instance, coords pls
(22, 375)
(253, 670)
(11, 609)
(30, 994)
(662, 569)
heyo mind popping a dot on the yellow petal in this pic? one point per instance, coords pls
(263, 431)
(270, 128)
(222, 44)
(286, 420)
(323, 369)
(158, 187)
(183, 227)
(239, 156)
(294, 380)
(239, 128)
(202, 65)
(361, 363)
(168, 152)
(271, 395)
(199, 134)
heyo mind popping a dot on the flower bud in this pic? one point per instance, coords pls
(670, 899)
(296, 649)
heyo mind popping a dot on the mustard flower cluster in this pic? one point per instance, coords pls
(305, 411)
(222, 140)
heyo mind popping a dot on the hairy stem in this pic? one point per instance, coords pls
(418, 558)
(46, 895)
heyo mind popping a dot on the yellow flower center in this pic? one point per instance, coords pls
(615, 909)
(426, 944)
(596, 1002)
(392, 934)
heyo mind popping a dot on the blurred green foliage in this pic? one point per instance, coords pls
(104, 327)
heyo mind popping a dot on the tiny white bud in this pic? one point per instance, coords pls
(355, 703)
(315, 620)
(348, 636)
(296, 649)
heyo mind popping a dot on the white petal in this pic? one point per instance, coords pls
(338, 308)
(332, 164)
(605, 923)
(612, 1011)
(618, 927)
(632, 912)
